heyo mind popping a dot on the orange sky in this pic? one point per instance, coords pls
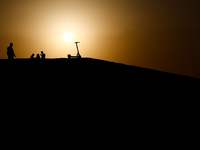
(157, 34)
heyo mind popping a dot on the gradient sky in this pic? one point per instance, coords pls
(157, 34)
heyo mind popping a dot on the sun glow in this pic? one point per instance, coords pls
(68, 37)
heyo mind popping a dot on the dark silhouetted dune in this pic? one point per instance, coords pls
(93, 93)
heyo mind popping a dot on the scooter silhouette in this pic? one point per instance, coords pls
(78, 54)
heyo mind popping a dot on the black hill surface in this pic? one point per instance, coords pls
(95, 93)
(85, 76)
(91, 79)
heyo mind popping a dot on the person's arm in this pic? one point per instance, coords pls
(14, 54)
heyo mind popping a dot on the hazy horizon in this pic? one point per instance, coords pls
(157, 34)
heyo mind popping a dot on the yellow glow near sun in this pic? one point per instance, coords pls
(68, 37)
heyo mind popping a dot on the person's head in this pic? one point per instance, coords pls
(42, 52)
(11, 44)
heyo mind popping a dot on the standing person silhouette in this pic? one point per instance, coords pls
(43, 55)
(10, 52)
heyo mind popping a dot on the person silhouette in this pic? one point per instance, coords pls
(32, 56)
(43, 55)
(10, 52)
(38, 57)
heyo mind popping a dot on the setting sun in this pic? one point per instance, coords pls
(68, 37)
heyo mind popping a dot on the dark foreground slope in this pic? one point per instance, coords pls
(91, 93)
(91, 76)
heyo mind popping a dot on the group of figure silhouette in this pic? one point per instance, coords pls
(38, 56)
(11, 53)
